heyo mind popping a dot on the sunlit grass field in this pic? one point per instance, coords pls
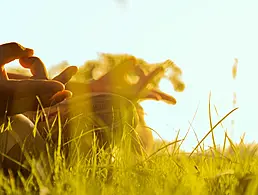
(168, 170)
(230, 168)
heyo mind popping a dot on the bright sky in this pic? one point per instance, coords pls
(202, 37)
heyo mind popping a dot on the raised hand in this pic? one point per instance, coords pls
(115, 82)
(18, 96)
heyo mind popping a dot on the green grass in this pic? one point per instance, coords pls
(164, 173)
(168, 170)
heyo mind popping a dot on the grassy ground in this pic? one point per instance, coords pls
(166, 172)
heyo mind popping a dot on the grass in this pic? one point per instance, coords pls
(168, 170)
(164, 173)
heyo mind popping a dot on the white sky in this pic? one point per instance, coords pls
(202, 37)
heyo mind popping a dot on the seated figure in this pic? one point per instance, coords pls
(106, 104)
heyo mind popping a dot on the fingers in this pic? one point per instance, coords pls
(36, 66)
(60, 96)
(139, 72)
(115, 78)
(13, 51)
(39, 70)
(20, 96)
(117, 73)
(124, 67)
(17, 76)
(31, 87)
(21, 105)
(159, 96)
(66, 75)
(145, 80)
(3, 74)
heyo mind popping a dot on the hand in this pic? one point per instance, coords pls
(114, 82)
(18, 96)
